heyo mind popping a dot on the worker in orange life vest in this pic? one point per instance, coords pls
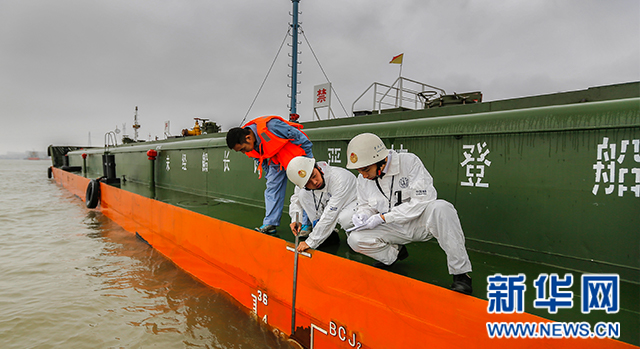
(273, 142)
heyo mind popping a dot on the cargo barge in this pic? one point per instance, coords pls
(544, 186)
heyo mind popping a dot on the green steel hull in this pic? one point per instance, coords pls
(556, 191)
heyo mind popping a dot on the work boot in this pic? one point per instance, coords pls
(267, 229)
(402, 255)
(462, 283)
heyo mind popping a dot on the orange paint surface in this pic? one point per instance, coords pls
(356, 305)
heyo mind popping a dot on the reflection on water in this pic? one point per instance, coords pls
(171, 300)
(71, 278)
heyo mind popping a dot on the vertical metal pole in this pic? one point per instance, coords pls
(152, 154)
(400, 84)
(152, 178)
(397, 90)
(375, 95)
(295, 284)
(294, 57)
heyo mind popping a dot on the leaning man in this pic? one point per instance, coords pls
(397, 204)
(327, 194)
(273, 142)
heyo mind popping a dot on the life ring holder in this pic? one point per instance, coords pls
(93, 193)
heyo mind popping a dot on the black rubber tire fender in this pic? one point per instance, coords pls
(93, 194)
(49, 172)
(71, 168)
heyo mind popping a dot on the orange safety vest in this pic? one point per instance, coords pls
(277, 150)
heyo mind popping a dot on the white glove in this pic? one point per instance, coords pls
(373, 222)
(359, 219)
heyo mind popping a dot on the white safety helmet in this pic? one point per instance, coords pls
(365, 149)
(300, 169)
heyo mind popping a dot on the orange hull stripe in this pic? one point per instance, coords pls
(375, 308)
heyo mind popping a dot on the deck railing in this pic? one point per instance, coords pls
(403, 93)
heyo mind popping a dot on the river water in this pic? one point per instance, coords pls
(71, 278)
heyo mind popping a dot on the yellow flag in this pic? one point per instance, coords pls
(397, 59)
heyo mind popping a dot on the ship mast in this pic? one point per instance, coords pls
(293, 116)
(136, 125)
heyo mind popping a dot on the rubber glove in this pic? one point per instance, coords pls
(373, 222)
(359, 219)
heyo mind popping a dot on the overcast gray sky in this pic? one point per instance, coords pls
(73, 67)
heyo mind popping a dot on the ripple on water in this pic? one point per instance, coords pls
(71, 278)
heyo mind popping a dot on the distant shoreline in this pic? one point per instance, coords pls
(23, 158)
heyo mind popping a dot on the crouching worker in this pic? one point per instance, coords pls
(397, 204)
(327, 194)
(273, 142)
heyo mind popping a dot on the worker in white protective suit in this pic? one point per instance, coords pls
(326, 193)
(397, 204)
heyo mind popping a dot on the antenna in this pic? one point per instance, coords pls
(167, 132)
(136, 125)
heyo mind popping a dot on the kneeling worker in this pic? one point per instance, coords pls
(273, 142)
(327, 194)
(397, 204)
